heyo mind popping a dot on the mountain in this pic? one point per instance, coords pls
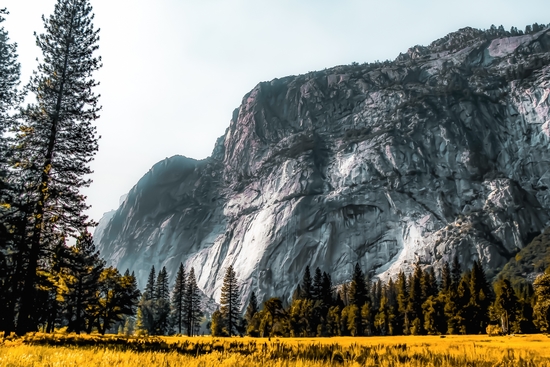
(441, 152)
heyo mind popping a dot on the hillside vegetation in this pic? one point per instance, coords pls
(532, 260)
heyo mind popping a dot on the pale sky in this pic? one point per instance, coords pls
(174, 70)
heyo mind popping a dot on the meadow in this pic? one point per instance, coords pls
(41, 350)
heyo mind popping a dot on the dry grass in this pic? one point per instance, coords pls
(477, 350)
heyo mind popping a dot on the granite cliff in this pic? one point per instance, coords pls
(443, 151)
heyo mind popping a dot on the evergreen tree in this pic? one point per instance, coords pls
(82, 284)
(434, 316)
(252, 308)
(456, 272)
(161, 285)
(381, 320)
(463, 306)
(297, 294)
(178, 298)
(333, 321)
(446, 279)
(416, 300)
(403, 322)
(326, 290)
(541, 311)
(343, 296)
(480, 299)
(147, 306)
(118, 296)
(9, 101)
(392, 309)
(162, 303)
(274, 317)
(11, 258)
(57, 140)
(150, 289)
(307, 286)
(506, 305)
(317, 287)
(193, 304)
(301, 318)
(358, 296)
(358, 288)
(216, 326)
(53, 281)
(429, 284)
(230, 300)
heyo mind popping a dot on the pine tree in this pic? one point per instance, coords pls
(541, 311)
(358, 296)
(147, 305)
(297, 294)
(118, 297)
(416, 300)
(216, 326)
(178, 298)
(326, 291)
(429, 284)
(456, 272)
(150, 289)
(57, 140)
(403, 321)
(480, 299)
(252, 308)
(10, 213)
(358, 288)
(193, 306)
(506, 305)
(230, 300)
(82, 283)
(463, 307)
(317, 286)
(446, 280)
(307, 286)
(161, 285)
(162, 303)
(9, 101)
(392, 307)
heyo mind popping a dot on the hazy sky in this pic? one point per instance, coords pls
(174, 70)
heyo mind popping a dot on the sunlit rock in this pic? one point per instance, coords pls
(443, 152)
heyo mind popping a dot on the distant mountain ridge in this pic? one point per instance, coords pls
(443, 151)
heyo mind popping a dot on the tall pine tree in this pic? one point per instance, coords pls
(178, 298)
(162, 303)
(252, 308)
(82, 283)
(57, 140)
(193, 304)
(307, 285)
(230, 300)
(9, 256)
(317, 286)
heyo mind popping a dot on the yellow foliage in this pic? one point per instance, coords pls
(42, 350)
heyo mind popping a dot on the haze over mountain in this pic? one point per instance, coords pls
(443, 151)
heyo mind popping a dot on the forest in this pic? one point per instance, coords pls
(50, 272)
(48, 283)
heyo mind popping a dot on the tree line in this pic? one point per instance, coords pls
(46, 147)
(162, 313)
(421, 303)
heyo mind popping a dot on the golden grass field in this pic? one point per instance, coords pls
(42, 350)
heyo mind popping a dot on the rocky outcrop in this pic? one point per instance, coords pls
(443, 151)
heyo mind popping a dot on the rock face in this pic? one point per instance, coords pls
(443, 151)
